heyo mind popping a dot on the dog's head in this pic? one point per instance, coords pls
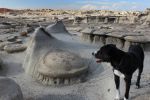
(105, 53)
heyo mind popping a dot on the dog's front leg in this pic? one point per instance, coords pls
(128, 83)
(117, 82)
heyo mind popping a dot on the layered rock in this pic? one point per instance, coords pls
(121, 40)
(87, 34)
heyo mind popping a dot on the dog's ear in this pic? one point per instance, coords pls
(112, 45)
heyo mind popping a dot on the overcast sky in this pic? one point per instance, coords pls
(78, 4)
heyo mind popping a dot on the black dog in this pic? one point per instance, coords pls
(124, 64)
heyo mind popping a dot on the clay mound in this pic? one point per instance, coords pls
(39, 43)
(49, 61)
(58, 27)
(10, 90)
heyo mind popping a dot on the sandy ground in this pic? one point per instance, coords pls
(98, 86)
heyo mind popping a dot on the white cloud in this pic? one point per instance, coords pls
(134, 7)
(104, 7)
(109, 5)
(89, 7)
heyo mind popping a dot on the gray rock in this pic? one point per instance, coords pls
(3, 44)
(87, 31)
(116, 34)
(112, 40)
(5, 26)
(12, 48)
(96, 39)
(58, 27)
(77, 29)
(30, 29)
(139, 39)
(12, 38)
(126, 45)
(100, 32)
(10, 90)
(87, 37)
(99, 39)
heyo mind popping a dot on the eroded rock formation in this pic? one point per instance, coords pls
(58, 27)
(49, 61)
(121, 40)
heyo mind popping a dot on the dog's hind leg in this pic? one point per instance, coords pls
(128, 83)
(140, 70)
(117, 82)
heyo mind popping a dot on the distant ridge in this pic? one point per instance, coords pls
(4, 10)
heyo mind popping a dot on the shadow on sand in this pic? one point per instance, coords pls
(59, 97)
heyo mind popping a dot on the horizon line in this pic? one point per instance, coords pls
(68, 9)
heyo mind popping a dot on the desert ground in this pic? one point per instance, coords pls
(81, 35)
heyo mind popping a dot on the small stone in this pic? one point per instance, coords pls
(66, 82)
(24, 34)
(12, 38)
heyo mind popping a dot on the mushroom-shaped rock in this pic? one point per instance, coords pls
(138, 39)
(51, 62)
(61, 65)
(116, 34)
(58, 27)
(87, 34)
(100, 32)
(10, 90)
(88, 31)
